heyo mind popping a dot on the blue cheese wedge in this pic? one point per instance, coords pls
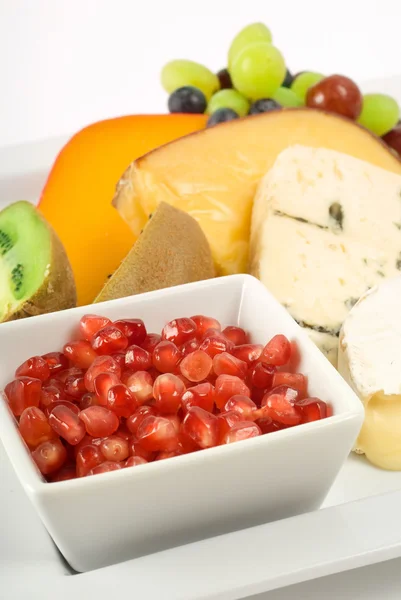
(326, 227)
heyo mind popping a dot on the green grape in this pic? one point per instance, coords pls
(258, 71)
(256, 32)
(303, 82)
(287, 98)
(180, 73)
(228, 99)
(380, 113)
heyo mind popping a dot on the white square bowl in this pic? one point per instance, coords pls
(117, 516)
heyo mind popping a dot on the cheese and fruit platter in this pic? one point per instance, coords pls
(191, 294)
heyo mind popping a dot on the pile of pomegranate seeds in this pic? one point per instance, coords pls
(121, 397)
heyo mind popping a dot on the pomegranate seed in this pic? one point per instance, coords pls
(175, 420)
(167, 392)
(196, 366)
(49, 395)
(258, 394)
(164, 455)
(186, 445)
(121, 401)
(89, 399)
(185, 381)
(179, 331)
(215, 343)
(135, 461)
(139, 415)
(91, 324)
(236, 335)
(138, 359)
(35, 367)
(267, 425)
(189, 346)
(157, 434)
(261, 375)
(296, 381)
(199, 395)
(88, 457)
(227, 364)
(23, 392)
(225, 421)
(312, 409)
(247, 352)
(99, 421)
(55, 383)
(150, 342)
(228, 386)
(166, 357)
(280, 409)
(114, 448)
(119, 357)
(133, 329)
(283, 390)
(80, 353)
(56, 361)
(243, 406)
(105, 468)
(67, 424)
(123, 432)
(70, 405)
(201, 427)
(66, 472)
(277, 352)
(109, 339)
(329, 409)
(75, 387)
(102, 364)
(102, 383)
(203, 324)
(137, 450)
(87, 440)
(34, 427)
(243, 430)
(50, 456)
(140, 384)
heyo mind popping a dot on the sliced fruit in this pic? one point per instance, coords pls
(213, 175)
(171, 250)
(76, 199)
(35, 274)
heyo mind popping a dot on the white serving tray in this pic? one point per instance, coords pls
(359, 524)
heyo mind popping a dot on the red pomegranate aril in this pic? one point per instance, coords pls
(137, 450)
(283, 390)
(171, 454)
(140, 384)
(75, 387)
(267, 425)
(23, 392)
(179, 331)
(34, 427)
(150, 342)
(167, 392)
(228, 386)
(280, 409)
(186, 445)
(87, 440)
(203, 324)
(102, 364)
(189, 346)
(89, 399)
(56, 361)
(91, 324)
(225, 420)
(67, 424)
(87, 458)
(199, 395)
(236, 335)
(102, 383)
(196, 366)
(106, 467)
(227, 364)
(277, 352)
(66, 472)
(80, 353)
(35, 367)
(247, 352)
(296, 381)
(49, 456)
(261, 375)
(135, 461)
(108, 340)
(114, 448)
(243, 430)
(215, 343)
(243, 406)
(157, 434)
(201, 426)
(99, 421)
(70, 405)
(121, 401)
(49, 394)
(133, 329)
(312, 409)
(54, 383)
(119, 357)
(62, 376)
(138, 359)
(166, 357)
(138, 416)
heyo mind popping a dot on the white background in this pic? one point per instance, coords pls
(66, 63)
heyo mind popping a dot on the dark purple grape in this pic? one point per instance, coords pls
(225, 79)
(221, 115)
(187, 99)
(263, 105)
(289, 78)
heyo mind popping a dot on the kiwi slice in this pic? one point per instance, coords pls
(35, 273)
(171, 250)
